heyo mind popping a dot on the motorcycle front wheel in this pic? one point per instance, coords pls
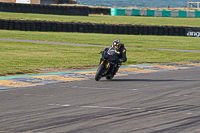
(99, 72)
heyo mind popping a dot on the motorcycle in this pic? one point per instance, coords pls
(107, 65)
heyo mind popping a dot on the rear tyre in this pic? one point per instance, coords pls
(99, 72)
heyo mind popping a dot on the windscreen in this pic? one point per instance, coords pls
(111, 51)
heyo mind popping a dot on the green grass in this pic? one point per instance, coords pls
(135, 20)
(23, 58)
(168, 42)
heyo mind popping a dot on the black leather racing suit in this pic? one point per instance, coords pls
(121, 58)
(122, 54)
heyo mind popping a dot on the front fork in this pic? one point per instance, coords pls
(106, 64)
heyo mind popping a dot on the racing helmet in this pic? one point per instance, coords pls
(116, 44)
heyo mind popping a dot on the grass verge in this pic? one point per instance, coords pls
(141, 41)
(23, 58)
(135, 20)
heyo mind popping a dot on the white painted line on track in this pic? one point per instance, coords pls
(102, 107)
(90, 88)
(96, 88)
(96, 107)
(66, 105)
(120, 108)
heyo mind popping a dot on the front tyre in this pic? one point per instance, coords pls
(99, 72)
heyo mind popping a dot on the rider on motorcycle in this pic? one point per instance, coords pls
(119, 47)
(121, 54)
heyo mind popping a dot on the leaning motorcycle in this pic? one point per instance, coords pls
(107, 65)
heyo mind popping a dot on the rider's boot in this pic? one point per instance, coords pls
(117, 68)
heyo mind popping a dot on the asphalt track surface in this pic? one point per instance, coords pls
(159, 102)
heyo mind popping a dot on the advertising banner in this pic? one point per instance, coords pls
(194, 32)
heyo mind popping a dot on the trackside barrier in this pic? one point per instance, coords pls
(44, 9)
(136, 12)
(154, 13)
(98, 28)
(96, 10)
(50, 9)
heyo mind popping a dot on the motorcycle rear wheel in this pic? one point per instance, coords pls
(99, 72)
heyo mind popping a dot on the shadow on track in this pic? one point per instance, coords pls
(151, 80)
